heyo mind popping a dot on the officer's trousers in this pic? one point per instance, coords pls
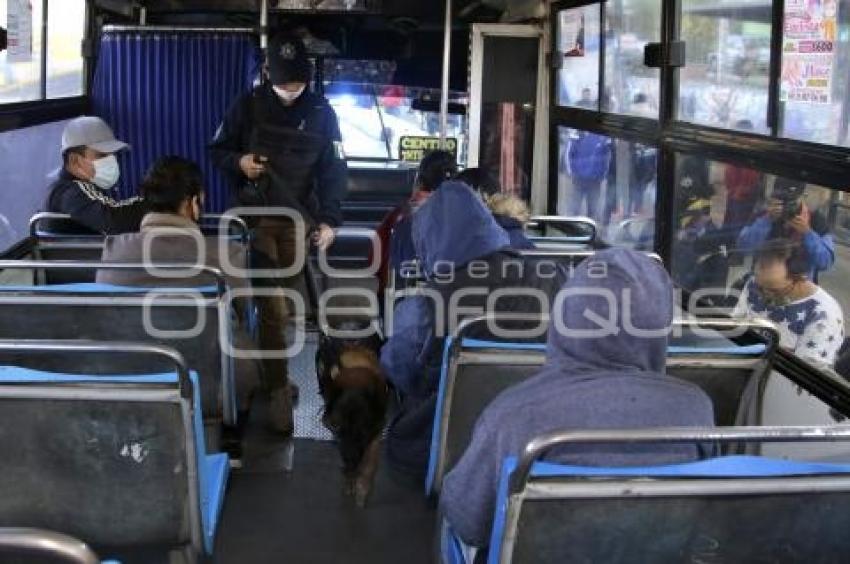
(275, 244)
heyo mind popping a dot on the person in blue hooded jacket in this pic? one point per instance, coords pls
(450, 231)
(614, 380)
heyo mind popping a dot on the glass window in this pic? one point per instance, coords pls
(65, 28)
(775, 248)
(725, 82)
(374, 118)
(20, 76)
(612, 181)
(630, 86)
(359, 121)
(578, 47)
(733, 226)
(402, 120)
(815, 83)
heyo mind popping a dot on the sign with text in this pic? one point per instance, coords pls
(808, 50)
(413, 149)
(19, 32)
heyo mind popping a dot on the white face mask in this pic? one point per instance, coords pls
(286, 96)
(106, 172)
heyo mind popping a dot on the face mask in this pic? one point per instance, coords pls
(106, 172)
(286, 96)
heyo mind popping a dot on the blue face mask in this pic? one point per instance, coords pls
(106, 172)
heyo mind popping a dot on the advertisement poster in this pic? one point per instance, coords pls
(808, 50)
(19, 32)
(572, 32)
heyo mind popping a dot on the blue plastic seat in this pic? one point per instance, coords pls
(136, 409)
(747, 473)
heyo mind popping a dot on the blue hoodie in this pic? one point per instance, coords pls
(450, 230)
(614, 381)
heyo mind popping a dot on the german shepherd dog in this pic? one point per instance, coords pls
(355, 394)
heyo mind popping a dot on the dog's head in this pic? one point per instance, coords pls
(356, 397)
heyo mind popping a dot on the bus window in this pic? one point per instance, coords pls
(612, 181)
(815, 86)
(725, 81)
(726, 214)
(359, 122)
(630, 86)
(20, 73)
(578, 47)
(65, 26)
(374, 118)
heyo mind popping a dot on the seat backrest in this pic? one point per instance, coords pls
(112, 313)
(110, 460)
(475, 372)
(728, 509)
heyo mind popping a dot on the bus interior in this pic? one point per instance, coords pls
(668, 127)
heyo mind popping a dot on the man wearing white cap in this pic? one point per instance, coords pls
(90, 170)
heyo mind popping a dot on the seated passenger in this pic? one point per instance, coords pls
(810, 321)
(615, 380)
(511, 213)
(90, 171)
(394, 231)
(788, 217)
(174, 189)
(453, 234)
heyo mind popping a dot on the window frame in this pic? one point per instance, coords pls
(17, 115)
(815, 163)
(825, 165)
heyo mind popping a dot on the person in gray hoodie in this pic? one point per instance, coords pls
(611, 381)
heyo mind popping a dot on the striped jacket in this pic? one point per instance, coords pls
(94, 208)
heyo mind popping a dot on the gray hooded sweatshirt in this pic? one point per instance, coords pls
(613, 381)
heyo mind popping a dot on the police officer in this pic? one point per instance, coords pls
(281, 147)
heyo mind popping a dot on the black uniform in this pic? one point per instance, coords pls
(93, 208)
(306, 169)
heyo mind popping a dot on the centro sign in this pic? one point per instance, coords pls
(413, 148)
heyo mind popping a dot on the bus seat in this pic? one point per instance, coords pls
(118, 461)
(189, 320)
(474, 372)
(56, 237)
(714, 510)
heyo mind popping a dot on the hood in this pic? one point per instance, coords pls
(634, 337)
(454, 226)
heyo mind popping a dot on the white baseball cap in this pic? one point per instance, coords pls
(92, 132)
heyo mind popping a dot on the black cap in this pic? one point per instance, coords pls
(287, 60)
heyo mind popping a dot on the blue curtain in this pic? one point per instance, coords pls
(165, 93)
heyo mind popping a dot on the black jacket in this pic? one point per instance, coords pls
(311, 115)
(94, 208)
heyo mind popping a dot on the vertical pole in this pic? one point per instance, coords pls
(43, 86)
(444, 94)
(264, 25)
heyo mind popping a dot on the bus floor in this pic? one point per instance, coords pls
(302, 516)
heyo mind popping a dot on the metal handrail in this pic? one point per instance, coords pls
(221, 283)
(171, 28)
(555, 220)
(716, 324)
(112, 347)
(536, 449)
(42, 216)
(47, 543)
